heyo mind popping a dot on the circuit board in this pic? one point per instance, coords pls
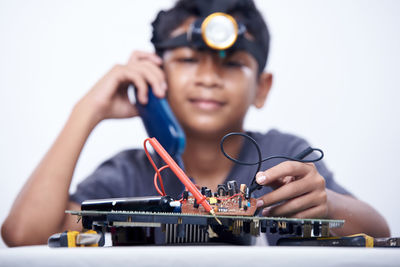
(197, 228)
(134, 220)
(235, 205)
(229, 199)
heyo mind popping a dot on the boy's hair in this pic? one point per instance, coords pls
(243, 10)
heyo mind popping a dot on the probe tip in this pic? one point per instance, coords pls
(215, 216)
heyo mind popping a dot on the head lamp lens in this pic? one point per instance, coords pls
(219, 31)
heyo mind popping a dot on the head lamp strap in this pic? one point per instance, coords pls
(241, 44)
(253, 49)
(177, 41)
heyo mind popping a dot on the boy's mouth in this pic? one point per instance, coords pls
(206, 104)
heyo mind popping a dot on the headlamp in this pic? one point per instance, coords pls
(217, 31)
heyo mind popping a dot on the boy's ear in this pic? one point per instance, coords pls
(263, 88)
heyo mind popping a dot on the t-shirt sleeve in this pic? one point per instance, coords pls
(109, 180)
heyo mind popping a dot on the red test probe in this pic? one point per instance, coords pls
(201, 199)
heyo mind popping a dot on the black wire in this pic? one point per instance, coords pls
(260, 159)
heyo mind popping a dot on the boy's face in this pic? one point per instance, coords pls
(209, 94)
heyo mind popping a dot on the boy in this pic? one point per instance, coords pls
(210, 93)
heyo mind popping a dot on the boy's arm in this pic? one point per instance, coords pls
(299, 191)
(38, 210)
(360, 217)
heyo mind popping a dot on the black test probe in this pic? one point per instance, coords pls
(254, 185)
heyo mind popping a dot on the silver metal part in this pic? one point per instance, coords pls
(325, 230)
(87, 239)
(137, 224)
(191, 234)
(307, 229)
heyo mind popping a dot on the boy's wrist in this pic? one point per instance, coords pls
(335, 203)
(85, 111)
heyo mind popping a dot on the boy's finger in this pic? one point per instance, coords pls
(289, 191)
(151, 78)
(313, 212)
(153, 71)
(287, 168)
(297, 205)
(126, 75)
(141, 88)
(141, 55)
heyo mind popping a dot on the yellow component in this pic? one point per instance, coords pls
(213, 200)
(369, 240)
(71, 237)
(211, 43)
(243, 188)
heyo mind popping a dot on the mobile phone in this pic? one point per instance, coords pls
(161, 123)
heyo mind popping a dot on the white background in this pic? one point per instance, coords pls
(336, 67)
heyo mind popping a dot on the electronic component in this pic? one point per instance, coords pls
(222, 190)
(152, 203)
(89, 238)
(357, 240)
(234, 203)
(225, 206)
(187, 228)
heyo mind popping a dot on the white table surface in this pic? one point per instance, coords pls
(244, 256)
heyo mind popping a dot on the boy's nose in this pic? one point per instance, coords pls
(208, 73)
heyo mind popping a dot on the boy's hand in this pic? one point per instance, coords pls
(299, 191)
(109, 97)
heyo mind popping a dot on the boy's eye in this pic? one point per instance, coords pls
(233, 64)
(187, 59)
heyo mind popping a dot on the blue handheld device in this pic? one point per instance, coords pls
(161, 123)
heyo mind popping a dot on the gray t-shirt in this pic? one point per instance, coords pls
(130, 174)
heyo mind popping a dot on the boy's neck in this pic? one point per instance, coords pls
(204, 161)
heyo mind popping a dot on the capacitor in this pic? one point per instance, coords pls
(208, 192)
(233, 187)
(195, 204)
(231, 191)
(222, 190)
(151, 203)
(247, 193)
(203, 190)
(185, 195)
(243, 188)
